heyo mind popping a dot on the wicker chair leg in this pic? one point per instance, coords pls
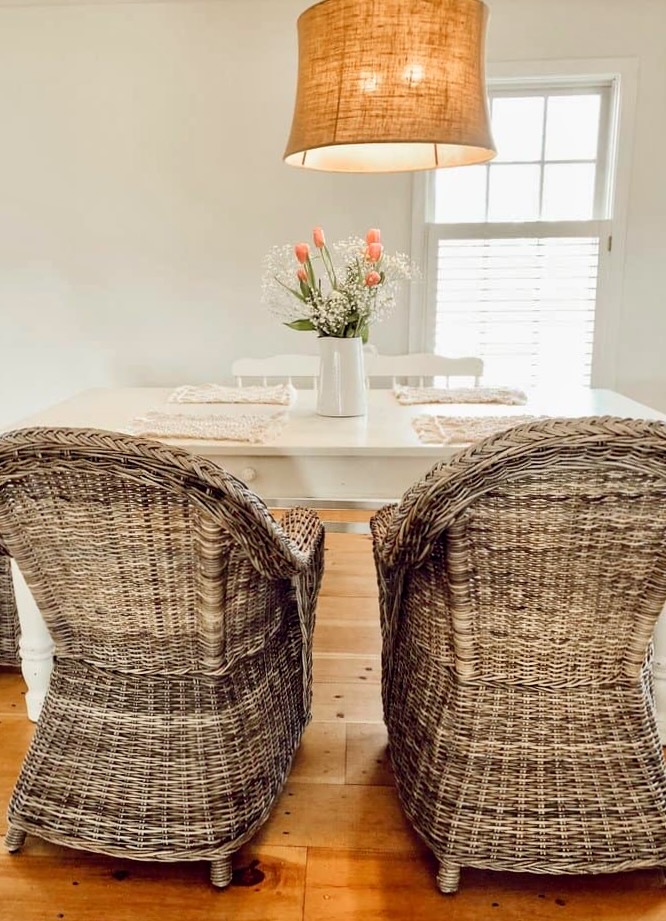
(14, 839)
(448, 877)
(220, 872)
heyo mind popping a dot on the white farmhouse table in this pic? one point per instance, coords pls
(317, 459)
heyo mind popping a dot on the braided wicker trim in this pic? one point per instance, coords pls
(410, 395)
(255, 429)
(9, 625)
(437, 499)
(446, 430)
(230, 502)
(282, 394)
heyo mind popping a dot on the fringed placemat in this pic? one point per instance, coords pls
(508, 395)
(255, 429)
(282, 394)
(410, 395)
(444, 430)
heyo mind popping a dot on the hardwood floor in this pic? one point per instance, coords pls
(336, 847)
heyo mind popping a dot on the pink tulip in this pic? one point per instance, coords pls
(302, 275)
(302, 252)
(374, 235)
(372, 279)
(374, 252)
(318, 237)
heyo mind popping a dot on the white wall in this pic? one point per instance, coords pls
(562, 29)
(141, 182)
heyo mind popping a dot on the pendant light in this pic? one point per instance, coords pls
(391, 85)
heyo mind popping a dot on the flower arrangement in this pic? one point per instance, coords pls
(338, 291)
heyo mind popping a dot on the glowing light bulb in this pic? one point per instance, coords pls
(413, 73)
(369, 81)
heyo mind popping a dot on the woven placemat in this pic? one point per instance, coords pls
(282, 394)
(255, 429)
(508, 395)
(444, 430)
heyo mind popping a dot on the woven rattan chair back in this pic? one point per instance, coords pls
(520, 586)
(183, 612)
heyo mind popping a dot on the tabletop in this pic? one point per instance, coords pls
(366, 458)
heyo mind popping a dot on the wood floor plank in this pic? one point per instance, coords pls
(352, 701)
(349, 544)
(355, 558)
(367, 761)
(360, 609)
(363, 886)
(321, 757)
(348, 585)
(268, 883)
(347, 637)
(356, 562)
(336, 667)
(349, 567)
(12, 691)
(334, 816)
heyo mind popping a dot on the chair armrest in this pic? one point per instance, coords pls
(380, 522)
(389, 585)
(304, 529)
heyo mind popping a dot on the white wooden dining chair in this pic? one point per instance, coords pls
(423, 366)
(284, 367)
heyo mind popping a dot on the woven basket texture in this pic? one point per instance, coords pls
(9, 625)
(519, 588)
(182, 616)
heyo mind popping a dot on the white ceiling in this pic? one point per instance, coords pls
(24, 3)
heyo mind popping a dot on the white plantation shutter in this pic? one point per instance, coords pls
(523, 299)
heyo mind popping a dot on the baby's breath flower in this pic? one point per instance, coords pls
(338, 291)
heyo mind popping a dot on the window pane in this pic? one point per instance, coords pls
(460, 194)
(568, 191)
(513, 193)
(518, 127)
(572, 127)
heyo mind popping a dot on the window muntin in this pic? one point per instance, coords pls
(547, 142)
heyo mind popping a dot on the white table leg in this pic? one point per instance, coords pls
(659, 673)
(35, 646)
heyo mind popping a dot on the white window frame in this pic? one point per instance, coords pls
(623, 74)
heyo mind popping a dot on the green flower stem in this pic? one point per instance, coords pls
(290, 290)
(328, 265)
(311, 275)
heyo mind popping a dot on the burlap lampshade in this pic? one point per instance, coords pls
(389, 85)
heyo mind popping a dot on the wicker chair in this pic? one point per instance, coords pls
(9, 625)
(519, 588)
(182, 616)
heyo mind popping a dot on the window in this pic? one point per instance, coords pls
(516, 249)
